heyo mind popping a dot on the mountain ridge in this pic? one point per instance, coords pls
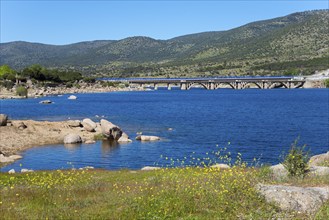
(298, 36)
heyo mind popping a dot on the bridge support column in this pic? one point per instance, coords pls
(155, 86)
(211, 86)
(169, 86)
(237, 85)
(183, 86)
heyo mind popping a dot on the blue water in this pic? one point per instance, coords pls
(259, 124)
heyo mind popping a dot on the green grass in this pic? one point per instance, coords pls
(177, 193)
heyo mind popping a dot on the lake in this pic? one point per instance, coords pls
(193, 125)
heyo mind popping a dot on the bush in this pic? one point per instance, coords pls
(89, 79)
(326, 83)
(296, 162)
(21, 91)
(7, 84)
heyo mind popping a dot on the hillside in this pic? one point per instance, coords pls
(293, 44)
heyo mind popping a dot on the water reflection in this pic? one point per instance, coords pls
(108, 146)
(72, 147)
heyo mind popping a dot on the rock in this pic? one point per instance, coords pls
(319, 171)
(279, 172)
(300, 199)
(21, 125)
(147, 168)
(170, 129)
(147, 138)
(15, 157)
(124, 138)
(12, 171)
(4, 159)
(110, 130)
(90, 142)
(86, 168)
(72, 97)
(319, 159)
(73, 123)
(3, 119)
(12, 158)
(139, 133)
(26, 170)
(72, 139)
(220, 166)
(89, 125)
(45, 102)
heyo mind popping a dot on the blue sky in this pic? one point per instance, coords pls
(63, 22)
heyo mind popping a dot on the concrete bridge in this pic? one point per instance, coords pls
(216, 83)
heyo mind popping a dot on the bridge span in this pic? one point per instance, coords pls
(216, 83)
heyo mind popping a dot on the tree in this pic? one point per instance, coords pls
(7, 73)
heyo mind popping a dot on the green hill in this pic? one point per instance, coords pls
(293, 44)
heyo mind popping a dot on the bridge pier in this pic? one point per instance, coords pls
(155, 86)
(211, 85)
(183, 85)
(169, 86)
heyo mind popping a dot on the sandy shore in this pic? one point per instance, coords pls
(38, 133)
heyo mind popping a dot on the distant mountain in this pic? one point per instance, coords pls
(297, 41)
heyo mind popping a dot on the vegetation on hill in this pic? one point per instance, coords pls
(297, 42)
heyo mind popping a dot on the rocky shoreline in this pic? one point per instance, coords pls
(42, 91)
(19, 135)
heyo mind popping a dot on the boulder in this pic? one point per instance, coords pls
(111, 131)
(300, 199)
(15, 157)
(147, 168)
(26, 170)
(319, 159)
(73, 123)
(86, 168)
(220, 166)
(72, 97)
(45, 102)
(319, 171)
(12, 171)
(89, 125)
(147, 138)
(124, 138)
(3, 119)
(4, 159)
(279, 171)
(12, 158)
(72, 139)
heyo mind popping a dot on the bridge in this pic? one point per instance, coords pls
(216, 83)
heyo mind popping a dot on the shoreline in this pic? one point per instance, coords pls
(39, 133)
(34, 91)
(62, 90)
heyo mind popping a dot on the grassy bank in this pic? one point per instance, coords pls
(178, 193)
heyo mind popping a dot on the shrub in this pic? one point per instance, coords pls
(98, 137)
(68, 85)
(89, 79)
(296, 162)
(7, 84)
(77, 85)
(21, 91)
(326, 83)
